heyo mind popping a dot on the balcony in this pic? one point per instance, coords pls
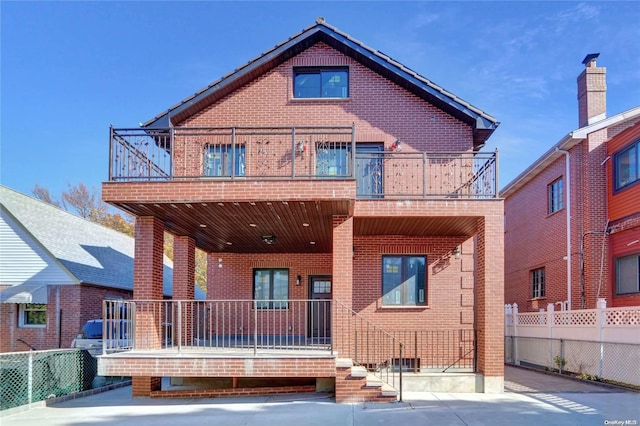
(301, 154)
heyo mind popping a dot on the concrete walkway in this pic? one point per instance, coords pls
(530, 398)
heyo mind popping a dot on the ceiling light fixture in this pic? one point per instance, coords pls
(269, 239)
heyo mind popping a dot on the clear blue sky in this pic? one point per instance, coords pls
(69, 69)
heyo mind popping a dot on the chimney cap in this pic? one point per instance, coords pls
(590, 57)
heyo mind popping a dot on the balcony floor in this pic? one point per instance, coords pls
(200, 352)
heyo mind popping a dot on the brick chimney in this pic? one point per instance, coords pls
(592, 92)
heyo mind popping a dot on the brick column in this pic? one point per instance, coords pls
(184, 267)
(490, 302)
(342, 275)
(147, 285)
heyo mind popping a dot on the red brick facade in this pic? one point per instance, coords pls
(462, 293)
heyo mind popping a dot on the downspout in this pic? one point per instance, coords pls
(568, 192)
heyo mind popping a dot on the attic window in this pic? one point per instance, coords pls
(321, 83)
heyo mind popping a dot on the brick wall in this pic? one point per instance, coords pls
(68, 309)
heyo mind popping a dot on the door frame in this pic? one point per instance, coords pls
(310, 293)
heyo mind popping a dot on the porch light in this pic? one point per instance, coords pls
(456, 252)
(268, 239)
(301, 147)
(219, 262)
(298, 280)
(396, 146)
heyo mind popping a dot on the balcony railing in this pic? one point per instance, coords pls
(250, 153)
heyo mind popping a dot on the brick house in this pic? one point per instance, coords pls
(571, 218)
(346, 210)
(55, 271)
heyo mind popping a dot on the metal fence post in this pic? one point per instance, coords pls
(179, 326)
(401, 368)
(255, 327)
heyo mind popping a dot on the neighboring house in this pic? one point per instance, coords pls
(331, 187)
(572, 218)
(55, 271)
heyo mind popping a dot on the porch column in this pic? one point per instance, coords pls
(184, 268)
(147, 285)
(342, 275)
(490, 302)
(342, 279)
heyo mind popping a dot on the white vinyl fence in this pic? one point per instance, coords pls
(602, 343)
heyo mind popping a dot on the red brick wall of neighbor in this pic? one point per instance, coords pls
(65, 316)
(535, 239)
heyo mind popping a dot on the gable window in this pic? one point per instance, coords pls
(219, 158)
(270, 286)
(628, 274)
(554, 191)
(404, 280)
(627, 166)
(32, 315)
(537, 283)
(320, 83)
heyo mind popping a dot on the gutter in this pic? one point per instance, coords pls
(567, 156)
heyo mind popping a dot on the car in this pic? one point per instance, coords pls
(91, 336)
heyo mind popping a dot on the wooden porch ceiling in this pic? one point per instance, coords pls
(298, 226)
(239, 227)
(416, 226)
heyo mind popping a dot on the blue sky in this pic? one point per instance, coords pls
(69, 69)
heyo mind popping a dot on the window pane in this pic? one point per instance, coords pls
(307, 85)
(34, 314)
(218, 160)
(392, 281)
(332, 159)
(628, 275)
(415, 281)
(261, 285)
(335, 84)
(280, 284)
(627, 167)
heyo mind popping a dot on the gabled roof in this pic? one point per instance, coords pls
(482, 123)
(566, 143)
(84, 251)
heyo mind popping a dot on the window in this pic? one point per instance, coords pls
(321, 83)
(404, 280)
(269, 286)
(219, 158)
(537, 283)
(627, 166)
(32, 315)
(628, 274)
(332, 158)
(555, 196)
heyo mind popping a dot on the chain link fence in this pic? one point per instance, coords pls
(617, 362)
(28, 377)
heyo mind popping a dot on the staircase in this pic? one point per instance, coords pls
(355, 384)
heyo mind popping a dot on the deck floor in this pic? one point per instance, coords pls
(206, 352)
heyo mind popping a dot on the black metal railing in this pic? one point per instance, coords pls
(241, 153)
